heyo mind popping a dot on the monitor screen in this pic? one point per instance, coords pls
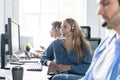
(13, 36)
(94, 42)
(87, 31)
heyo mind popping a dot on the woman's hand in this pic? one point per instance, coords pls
(59, 68)
(51, 64)
(52, 67)
(62, 68)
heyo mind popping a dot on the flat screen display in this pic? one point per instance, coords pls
(13, 36)
(87, 31)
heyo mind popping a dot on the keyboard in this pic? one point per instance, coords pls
(2, 78)
(34, 67)
(29, 60)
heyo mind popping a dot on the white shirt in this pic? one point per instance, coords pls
(104, 62)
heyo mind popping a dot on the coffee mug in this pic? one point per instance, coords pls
(17, 73)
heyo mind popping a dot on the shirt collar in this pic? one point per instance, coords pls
(117, 36)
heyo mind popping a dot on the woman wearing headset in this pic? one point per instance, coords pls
(69, 55)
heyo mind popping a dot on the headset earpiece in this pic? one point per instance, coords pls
(56, 28)
(73, 28)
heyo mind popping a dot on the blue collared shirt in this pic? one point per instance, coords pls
(114, 69)
(57, 51)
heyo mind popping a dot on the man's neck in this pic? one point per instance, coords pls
(118, 29)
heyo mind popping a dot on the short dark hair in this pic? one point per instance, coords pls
(57, 25)
(119, 2)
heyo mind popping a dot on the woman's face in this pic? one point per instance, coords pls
(66, 29)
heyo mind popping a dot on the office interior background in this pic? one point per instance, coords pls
(35, 17)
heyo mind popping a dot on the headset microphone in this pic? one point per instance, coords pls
(104, 24)
(67, 33)
(72, 30)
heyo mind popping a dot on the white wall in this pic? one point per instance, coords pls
(1, 16)
(93, 20)
(8, 8)
(11, 9)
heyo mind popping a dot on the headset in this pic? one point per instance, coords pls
(57, 25)
(73, 27)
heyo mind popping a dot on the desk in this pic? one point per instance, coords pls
(27, 75)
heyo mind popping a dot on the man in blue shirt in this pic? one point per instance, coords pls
(106, 61)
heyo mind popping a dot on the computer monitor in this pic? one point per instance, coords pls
(87, 31)
(10, 39)
(94, 42)
(13, 36)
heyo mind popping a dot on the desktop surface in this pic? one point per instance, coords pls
(36, 75)
(32, 64)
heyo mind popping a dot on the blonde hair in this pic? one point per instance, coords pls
(78, 39)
